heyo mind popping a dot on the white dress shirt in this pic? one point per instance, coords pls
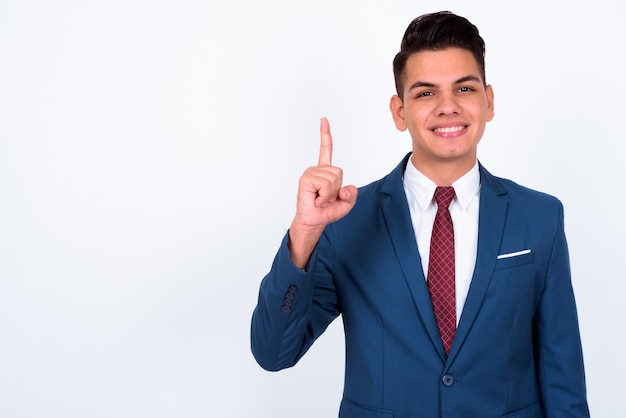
(419, 191)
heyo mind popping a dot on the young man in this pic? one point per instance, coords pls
(453, 285)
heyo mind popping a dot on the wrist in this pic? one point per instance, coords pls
(302, 243)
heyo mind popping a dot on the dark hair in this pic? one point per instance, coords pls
(437, 31)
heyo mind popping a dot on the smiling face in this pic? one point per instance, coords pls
(445, 107)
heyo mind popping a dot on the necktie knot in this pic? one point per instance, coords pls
(443, 197)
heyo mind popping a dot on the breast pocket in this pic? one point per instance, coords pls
(515, 261)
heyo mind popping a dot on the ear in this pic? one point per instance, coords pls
(490, 105)
(397, 112)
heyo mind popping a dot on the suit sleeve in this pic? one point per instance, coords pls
(294, 307)
(558, 345)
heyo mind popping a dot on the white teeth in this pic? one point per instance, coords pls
(450, 129)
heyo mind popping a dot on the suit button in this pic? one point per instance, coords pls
(447, 380)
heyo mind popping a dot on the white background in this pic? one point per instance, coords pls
(149, 157)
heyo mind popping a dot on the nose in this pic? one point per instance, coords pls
(447, 105)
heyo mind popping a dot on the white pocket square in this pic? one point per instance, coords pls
(515, 254)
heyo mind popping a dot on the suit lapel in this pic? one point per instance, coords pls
(491, 222)
(397, 218)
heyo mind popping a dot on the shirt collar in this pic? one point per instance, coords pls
(422, 188)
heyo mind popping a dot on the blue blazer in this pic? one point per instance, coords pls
(517, 350)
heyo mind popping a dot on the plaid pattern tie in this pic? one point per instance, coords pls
(441, 268)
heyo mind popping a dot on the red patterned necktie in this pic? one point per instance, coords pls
(441, 268)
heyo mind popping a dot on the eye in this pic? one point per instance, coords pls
(465, 89)
(425, 94)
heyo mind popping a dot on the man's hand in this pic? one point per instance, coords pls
(321, 200)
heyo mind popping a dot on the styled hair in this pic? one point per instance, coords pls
(434, 32)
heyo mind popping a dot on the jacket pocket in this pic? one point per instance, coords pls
(532, 411)
(350, 409)
(520, 260)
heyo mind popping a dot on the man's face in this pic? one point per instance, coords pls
(445, 108)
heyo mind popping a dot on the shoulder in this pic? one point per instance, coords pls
(386, 192)
(389, 184)
(513, 190)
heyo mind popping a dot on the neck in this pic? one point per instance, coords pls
(445, 173)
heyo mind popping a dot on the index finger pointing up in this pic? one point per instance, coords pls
(326, 143)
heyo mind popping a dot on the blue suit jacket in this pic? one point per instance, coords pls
(516, 352)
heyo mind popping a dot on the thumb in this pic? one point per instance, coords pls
(348, 194)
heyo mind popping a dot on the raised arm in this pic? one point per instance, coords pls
(296, 305)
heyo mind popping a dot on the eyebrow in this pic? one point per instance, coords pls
(461, 80)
